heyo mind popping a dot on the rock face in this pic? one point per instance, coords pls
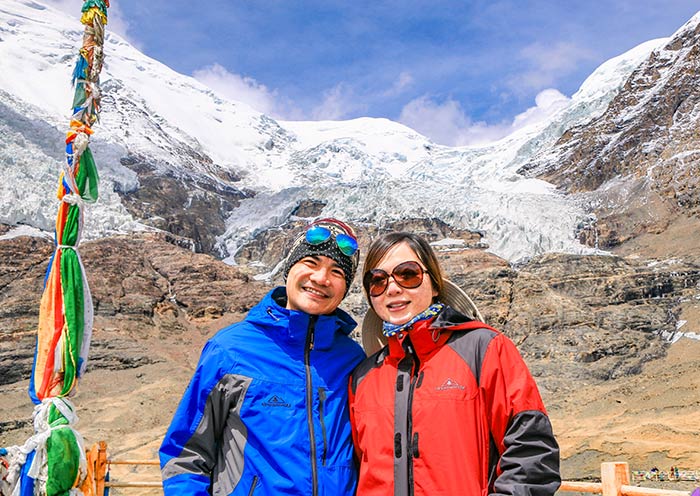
(145, 280)
(604, 314)
(640, 158)
(23, 263)
(142, 286)
(192, 207)
(580, 318)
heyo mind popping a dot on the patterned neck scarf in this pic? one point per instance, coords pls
(390, 329)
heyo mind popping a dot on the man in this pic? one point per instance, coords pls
(266, 411)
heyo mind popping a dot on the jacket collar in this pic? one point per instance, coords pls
(292, 326)
(428, 336)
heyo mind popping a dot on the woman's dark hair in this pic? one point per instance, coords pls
(380, 246)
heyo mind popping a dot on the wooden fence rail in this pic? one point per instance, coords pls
(615, 481)
(614, 478)
(98, 468)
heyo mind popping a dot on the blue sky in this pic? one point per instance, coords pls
(456, 71)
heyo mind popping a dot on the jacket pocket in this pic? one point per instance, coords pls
(322, 412)
(253, 485)
(338, 480)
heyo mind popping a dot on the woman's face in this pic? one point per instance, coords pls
(398, 305)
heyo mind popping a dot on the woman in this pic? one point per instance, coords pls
(447, 407)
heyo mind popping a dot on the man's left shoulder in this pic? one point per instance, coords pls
(237, 334)
(352, 345)
(347, 351)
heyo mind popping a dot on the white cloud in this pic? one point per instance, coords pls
(549, 63)
(117, 23)
(447, 123)
(338, 103)
(341, 102)
(547, 102)
(403, 82)
(240, 88)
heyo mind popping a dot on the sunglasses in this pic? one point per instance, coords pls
(316, 235)
(408, 275)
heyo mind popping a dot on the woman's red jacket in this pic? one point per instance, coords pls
(450, 408)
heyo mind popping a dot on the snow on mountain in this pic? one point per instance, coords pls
(365, 170)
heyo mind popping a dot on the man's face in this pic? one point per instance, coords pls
(315, 285)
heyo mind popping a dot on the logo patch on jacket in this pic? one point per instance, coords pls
(275, 400)
(449, 384)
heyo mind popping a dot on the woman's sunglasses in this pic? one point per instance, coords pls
(315, 235)
(408, 275)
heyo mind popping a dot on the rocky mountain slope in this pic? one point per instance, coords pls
(638, 160)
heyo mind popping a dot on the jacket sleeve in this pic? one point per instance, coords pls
(527, 454)
(188, 452)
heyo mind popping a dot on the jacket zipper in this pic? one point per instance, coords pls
(322, 401)
(409, 431)
(310, 401)
(253, 485)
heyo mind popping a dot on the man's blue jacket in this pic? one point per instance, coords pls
(266, 412)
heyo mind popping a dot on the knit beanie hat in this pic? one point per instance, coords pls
(330, 241)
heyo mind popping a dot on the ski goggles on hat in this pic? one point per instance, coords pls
(316, 235)
(408, 275)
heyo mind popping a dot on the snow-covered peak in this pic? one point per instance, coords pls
(611, 74)
(688, 27)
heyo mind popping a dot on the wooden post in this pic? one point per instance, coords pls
(88, 485)
(613, 475)
(101, 468)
